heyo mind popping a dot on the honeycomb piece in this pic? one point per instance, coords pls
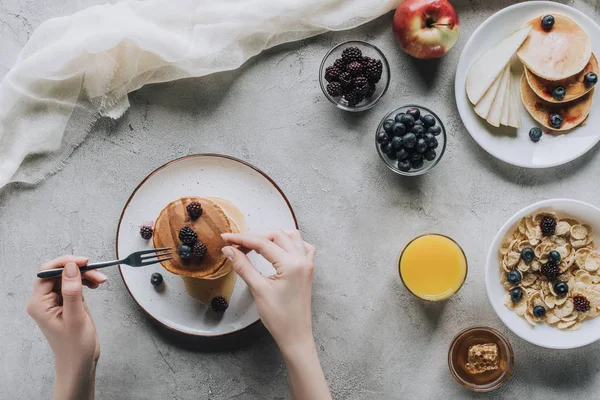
(482, 358)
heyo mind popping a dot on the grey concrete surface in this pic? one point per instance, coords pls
(375, 341)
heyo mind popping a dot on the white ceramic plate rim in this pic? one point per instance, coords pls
(492, 276)
(462, 100)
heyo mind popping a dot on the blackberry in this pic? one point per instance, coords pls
(548, 225)
(353, 98)
(184, 251)
(339, 63)
(199, 250)
(345, 79)
(371, 91)
(334, 89)
(581, 303)
(332, 73)
(354, 68)
(361, 85)
(187, 235)
(373, 70)
(351, 54)
(219, 304)
(194, 209)
(550, 270)
(146, 232)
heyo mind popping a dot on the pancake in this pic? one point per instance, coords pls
(209, 228)
(573, 113)
(559, 53)
(573, 85)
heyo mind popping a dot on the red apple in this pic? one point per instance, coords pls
(426, 28)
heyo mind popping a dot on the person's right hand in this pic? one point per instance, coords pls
(284, 299)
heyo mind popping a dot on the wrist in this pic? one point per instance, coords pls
(299, 347)
(75, 380)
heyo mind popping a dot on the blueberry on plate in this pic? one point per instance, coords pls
(418, 129)
(398, 117)
(430, 155)
(428, 120)
(535, 134)
(539, 311)
(436, 130)
(516, 294)
(527, 254)
(417, 164)
(429, 139)
(156, 279)
(386, 148)
(409, 140)
(418, 122)
(398, 129)
(590, 79)
(421, 146)
(185, 251)
(382, 137)
(407, 120)
(434, 144)
(396, 142)
(415, 112)
(556, 120)
(554, 257)
(388, 124)
(404, 165)
(561, 289)
(391, 155)
(547, 22)
(559, 93)
(514, 276)
(416, 157)
(402, 154)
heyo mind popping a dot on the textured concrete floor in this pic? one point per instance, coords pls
(374, 339)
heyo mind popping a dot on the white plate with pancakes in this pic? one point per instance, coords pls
(232, 191)
(510, 144)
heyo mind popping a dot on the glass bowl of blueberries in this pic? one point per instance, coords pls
(411, 140)
(354, 75)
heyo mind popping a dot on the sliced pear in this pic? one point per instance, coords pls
(506, 105)
(496, 111)
(485, 104)
(514, 115)
(490, 64)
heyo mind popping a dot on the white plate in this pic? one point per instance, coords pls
(542, 334)
(253, 192)
(501, 142)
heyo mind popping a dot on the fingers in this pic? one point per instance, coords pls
(296, 238)
(94, 277)
(282, 240)
(73, 309)
(44, 286)
(311, 251)
(260, 244)
(244, 267)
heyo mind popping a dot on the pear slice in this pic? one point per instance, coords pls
(490, 64)
(514, 115)
(496, 110)
(485, 104)
(506, 105)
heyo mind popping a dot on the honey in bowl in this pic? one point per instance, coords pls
(433, 267)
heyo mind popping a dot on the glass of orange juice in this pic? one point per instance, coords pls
(433, 267)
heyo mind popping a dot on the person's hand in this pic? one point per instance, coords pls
(58, 307)
(284, 299)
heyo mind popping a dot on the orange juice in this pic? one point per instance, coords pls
(433, 267)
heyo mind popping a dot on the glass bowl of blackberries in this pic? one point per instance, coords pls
(411, 140)
(354, 75)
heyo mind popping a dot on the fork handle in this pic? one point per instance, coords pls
(53, 273)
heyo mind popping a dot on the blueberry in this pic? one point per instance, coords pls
(399, 129)
(398, 117)
(547, 22)
(416, 157)
(388, 124)
(414, 112)
(156, 279)
(430, 139)
(559, 93)
(428, 120)
(535, 134)
(185, 251)
(434, 144)
(516, 294)
(554, 257)
(391, 155)
(590, 79)
(404, 165)
(421, 146)
(436, 130)
(409, 140)
(514, 277)
(556, 120)
(382, 137)
(430, 155)
(417, 164)
(407, 120)
(386, 148)
(396, 142)
(527, 254)
(402, 154)
(539, 311)
(561, 289)
(418, 122)
(417, 129)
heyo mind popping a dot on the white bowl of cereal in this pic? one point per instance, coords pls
(544, 283)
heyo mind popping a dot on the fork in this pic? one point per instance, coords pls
(136, 259)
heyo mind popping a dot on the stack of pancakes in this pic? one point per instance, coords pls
(211, 275)
(558, 57)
